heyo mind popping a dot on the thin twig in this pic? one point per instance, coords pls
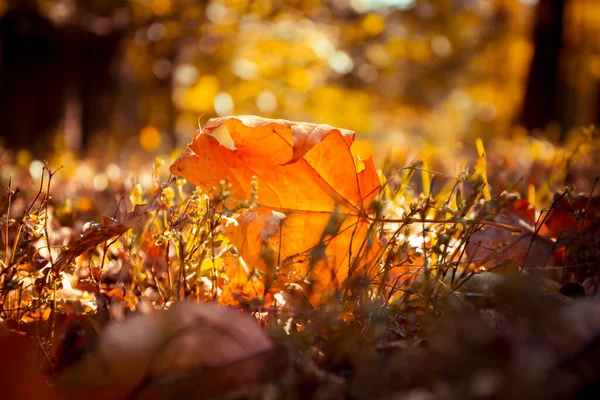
(447, 221)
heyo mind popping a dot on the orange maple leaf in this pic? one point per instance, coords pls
(313, 194)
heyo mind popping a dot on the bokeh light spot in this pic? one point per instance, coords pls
(441, 46)
(201, 96)
(100, 182)
(156, 32)
(113, 172)
(150, 138)
(340, 62)
(161, 7)
(162, 68)
(373, 24)
(485, 111)
(266, 101)
(223, 104)
(36, 169)
(186, 75)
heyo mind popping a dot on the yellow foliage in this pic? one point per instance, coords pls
(336, 107)
(481, 169)
(299, 78)
(262, 7)
(200, 97)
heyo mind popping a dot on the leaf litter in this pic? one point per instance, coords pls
(361, 283)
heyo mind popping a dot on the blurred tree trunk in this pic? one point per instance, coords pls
(564, 85)
(545, 85)
(31, 77)
(54, 77)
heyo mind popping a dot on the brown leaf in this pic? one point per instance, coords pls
(569, 216)
(491, 246)
(106, 230)
(144, 352)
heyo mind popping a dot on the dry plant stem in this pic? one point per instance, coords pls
(169, 277)
(106, 246)
(181, 282)
(538, 224)
(212, 225)
(10, 193)
(462, 248)
(54, 273)
(587, 207)
(46, 202)
(15, 244)
(449, 221)
(385, 249)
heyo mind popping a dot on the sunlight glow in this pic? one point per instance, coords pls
(223, 104)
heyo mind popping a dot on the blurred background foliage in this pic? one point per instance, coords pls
(104, 76)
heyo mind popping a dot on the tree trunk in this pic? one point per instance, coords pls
(52, 76)
(545, 85)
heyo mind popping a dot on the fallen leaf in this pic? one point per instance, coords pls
(107, 229)
(571, 216)
(144, 354)
(314, 194)
(491, 246)
(574, 222)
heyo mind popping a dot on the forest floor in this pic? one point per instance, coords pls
(248, 269)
